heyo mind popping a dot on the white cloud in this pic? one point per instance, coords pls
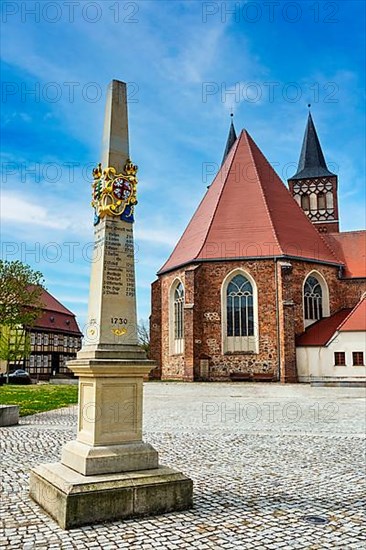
(197, 55)
(156, 236)
(18, 209)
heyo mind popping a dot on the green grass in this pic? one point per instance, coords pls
(40, 398)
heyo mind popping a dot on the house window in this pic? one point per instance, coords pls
(239, 310)
(39, 339)
(45, 338)
(305, 202)
(339, 358)
(32, 339)
(313, 299)
(357, 357)
(177, 318)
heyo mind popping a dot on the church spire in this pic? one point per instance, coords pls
(312, 162)
(230, 140)
(313, 186)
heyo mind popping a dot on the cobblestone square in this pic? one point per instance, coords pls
(267, 461)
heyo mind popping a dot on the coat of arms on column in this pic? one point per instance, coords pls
(114, 194)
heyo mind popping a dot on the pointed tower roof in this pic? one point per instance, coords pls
(247, 212)
(312, 162)
(231, 139)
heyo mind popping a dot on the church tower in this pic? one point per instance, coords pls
(313, 186)
(231, 139)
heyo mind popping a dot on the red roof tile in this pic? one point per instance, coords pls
(50, 302)
(57, 322)
(319, 333)
(350, 248)
(248, 212)
(55, 316)
(356, 320)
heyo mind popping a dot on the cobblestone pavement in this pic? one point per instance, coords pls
(263, 459)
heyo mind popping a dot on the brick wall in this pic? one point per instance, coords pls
(210, 277)
(172, 366)
(202, 317)
(342, 293)
(155, 329)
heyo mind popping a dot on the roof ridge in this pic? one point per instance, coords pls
(233, 150)
(317, 328)
(329, 246)
(262, 192)
(67, 311)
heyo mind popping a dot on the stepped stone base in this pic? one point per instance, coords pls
(89, 461)
(74, 500)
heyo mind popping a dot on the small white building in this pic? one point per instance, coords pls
(333, 349)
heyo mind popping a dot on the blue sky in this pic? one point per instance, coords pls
(188, 64)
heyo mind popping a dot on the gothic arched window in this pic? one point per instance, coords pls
(313, 299)
(239, 304)
(239, 312)
(177, 318)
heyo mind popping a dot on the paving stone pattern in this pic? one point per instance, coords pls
(263, 458)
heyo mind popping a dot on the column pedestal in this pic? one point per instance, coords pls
(74, 500)
(108, 472)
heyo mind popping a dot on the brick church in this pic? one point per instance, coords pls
(262, 285)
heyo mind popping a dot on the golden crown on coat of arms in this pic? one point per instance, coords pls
(114, 194)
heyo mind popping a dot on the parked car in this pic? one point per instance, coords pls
(19, 376)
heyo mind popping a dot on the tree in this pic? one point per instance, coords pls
(20, 306)
(143, 335)
(14, 344)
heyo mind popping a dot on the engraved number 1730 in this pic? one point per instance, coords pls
(118, 321)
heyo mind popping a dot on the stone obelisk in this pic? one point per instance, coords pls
(109, 472)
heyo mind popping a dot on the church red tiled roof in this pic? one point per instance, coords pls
(350, 248)
(248, 212)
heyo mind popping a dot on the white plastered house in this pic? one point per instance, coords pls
(332, 350)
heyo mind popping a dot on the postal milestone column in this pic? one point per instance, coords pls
(112, 321)
(108, 471)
